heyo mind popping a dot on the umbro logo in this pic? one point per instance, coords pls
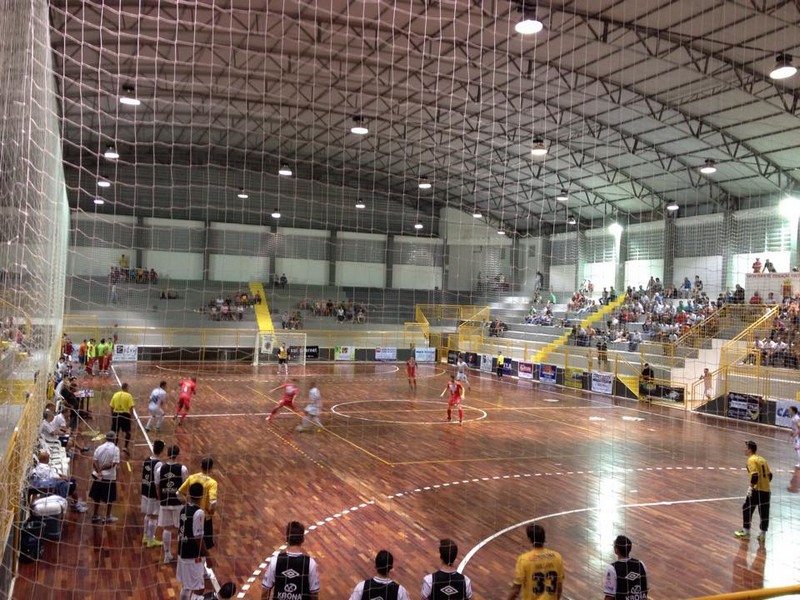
(449, 590)
(632, 576)
(290, 574)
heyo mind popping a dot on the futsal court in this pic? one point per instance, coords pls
(387, 471)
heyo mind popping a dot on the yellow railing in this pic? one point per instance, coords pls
(470, 318)
(742, 347)
(263, 317)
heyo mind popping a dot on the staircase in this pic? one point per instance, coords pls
(263, 317)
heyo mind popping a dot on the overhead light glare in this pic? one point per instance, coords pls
(563, 196)
(103, 183)
(360, 204)
(672, 206)
(418, 225)
(529, 24)
(424, 184)
(790, 208)
(111, 153)
(539, 149)
(783, 67)
(500, 232)
(285, 171)
(276, 214)
(709, 167)
(571, 221)
(476, 214)
(359, 126)
(99, 201)
(242, 194)
(615, 229)
(128, 97)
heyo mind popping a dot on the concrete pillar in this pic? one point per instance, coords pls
(390, 256)
(669, 251)
(726, 248)
(335, 244)
(206, 250)
(580, 258)
(272, 253)
(545, 261)
(621, 255)
(137, 260)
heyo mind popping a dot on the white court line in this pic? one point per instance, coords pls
(463, 564)
(440, 405)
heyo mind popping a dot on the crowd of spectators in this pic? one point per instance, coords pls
(12, 333)
(132, 275)
(227, 309)
(344, 311)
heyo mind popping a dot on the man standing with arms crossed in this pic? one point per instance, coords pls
(758, 494)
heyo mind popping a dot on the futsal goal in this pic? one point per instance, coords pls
(268, 345)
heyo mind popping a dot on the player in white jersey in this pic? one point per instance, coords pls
(156, 406)
(312, 410)
(461, 371)
(795, 423)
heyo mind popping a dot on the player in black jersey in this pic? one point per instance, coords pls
(626, 577)
(291, 574)
(447, 583)
(150, 502)
(380, 587)
(191, 550)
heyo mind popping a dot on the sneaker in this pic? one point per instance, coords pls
(145, 540)
(147, 429)
(169, 559)
(154, 543)
(460, 423)
(742, 534)
(98, 519)
(111, 519)
(79, 507)
(762, 536)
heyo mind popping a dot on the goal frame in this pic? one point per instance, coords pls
(268, 342)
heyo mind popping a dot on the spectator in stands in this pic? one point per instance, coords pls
(153, 276)
(45, 477)
(771, 298)
(257, 298)
(124, 263)
(768, 266)
(738, 295)
(538, 282)
(757, 266)
(361, 316)
(647, 375)
(285, 320)
(686, 288)
(755, 298)
(698, 284)
(283, 280)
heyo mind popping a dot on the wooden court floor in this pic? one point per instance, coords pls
(388, 472)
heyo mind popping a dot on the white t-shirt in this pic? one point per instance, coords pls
(157, 396)
(49, 430)
(461, 366)
(358, 591)
(45, 471)
(796, 425)
(107, 456)
(59, 422)
(313, 576)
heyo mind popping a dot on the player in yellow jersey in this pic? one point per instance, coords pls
(283, 359)
(539, 573)
(758, 494)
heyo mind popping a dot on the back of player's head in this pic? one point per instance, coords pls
(384, 561)
(622, 546)
(206, 464)
(752, 446)
(793, 410)
(448, 550)
(163, 384)
(158, 446)
(173, 451)
(295, 533)
(196, 491)
(536, 535)
(125, 387)
(226, 591)
(452, 377)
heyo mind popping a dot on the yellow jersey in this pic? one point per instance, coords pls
(540, 573)
(121, 402)
(209, 491)
(757, 465)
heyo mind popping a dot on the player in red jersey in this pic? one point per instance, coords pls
(290, 392)
(457, 394)
(411, 371)
(188, 387)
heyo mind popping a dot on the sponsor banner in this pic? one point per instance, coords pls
(602, 382)
(525, 370)
(547, 373)
(745, 407)
(344, 353)
(125, 353)
(294, 352)
(573, 378)
(473, 360)
(312, 352)
(452, 357)
(486, 363)
(507, 366)
(385, 353)
(425, 354)
(782, 416)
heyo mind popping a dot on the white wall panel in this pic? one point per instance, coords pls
(638, 272)
(93, 262)
(361, 274)
(562, 282)
(303, 271)
(228, 267)
(411, 277)
(174, 265)
(709, 268)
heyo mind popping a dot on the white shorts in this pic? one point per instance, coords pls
(461, 376)
(155, 410)
(169, 516)
(190, 572)
(149, 506)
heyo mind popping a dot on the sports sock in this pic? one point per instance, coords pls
(460, 414)
(166, 537)
(150, 527)
(448, 414)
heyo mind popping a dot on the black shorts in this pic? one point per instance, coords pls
(103, 491)
(121, 422)
(208, 533)
(281, 361)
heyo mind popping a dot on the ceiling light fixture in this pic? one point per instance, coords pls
(476, 214)
(672, 206)
(99, 201)
(360, 204)
(359, 126)
(563, 196)
(528, 24)
(615, 229)
(276, 214)
(571, 221)
(539, 149)
(111, 153)
(783, 67)
(424, 184)
(500, 232)
(418, 225)
(709, 167)
(285, 170)
(242, 194)
(103, 183)
(129, 96)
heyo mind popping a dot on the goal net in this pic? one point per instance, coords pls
(269, 344)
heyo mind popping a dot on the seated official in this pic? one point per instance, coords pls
(47, 478)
